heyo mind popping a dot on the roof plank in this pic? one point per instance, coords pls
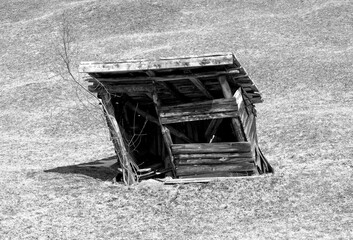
(163, 63)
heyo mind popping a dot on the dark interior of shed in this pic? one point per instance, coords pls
(143, 135)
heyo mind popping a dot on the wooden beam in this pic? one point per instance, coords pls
(169, 77)
(213, 109)
(222, 147)
(224, 156)
(126, 161)
(213, 161)
(209, 179)
(166, 135)
(128, 89)
(164, 63)
(154, 120)
(227, 93)
(201, 87)
(183, 170)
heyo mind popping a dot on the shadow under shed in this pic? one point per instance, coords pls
(103, 169)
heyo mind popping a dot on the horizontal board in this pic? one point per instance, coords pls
(210, 106)
(126, 88)
(165, 63)
(213, 161)
(212, 109)
(214, 176)
(223, 147)
(199, 169)
(213, 155)
(198, 117)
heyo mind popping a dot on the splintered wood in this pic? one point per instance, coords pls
(193, 115)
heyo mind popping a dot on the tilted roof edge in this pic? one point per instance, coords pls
(215, 59)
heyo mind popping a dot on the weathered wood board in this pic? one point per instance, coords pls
(248, 120)
(183, 170)
(219, 108)
(163, 63)
(198, 74)
(223, 147)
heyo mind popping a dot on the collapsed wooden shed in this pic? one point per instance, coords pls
(187, 116)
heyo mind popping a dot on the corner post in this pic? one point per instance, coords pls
(127, 163)
(166, 134)
(227, 93)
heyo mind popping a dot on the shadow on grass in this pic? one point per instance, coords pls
(104, 169)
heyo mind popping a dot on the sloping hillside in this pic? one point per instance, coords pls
(300, 55)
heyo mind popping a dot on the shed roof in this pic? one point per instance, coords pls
(180, 79)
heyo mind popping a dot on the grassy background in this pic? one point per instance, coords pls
(299, 53)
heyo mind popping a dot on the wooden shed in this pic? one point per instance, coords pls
(186, 116)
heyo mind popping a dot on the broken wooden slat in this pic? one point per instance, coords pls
(225, 147)
(219, 108)
(138, 65)
(183, 170)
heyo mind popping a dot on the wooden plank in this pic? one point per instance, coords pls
(218, 175)
(225, 147)
(188, 156)
(165, 63)
(198, 117)
(247, 117)
(166, 135)
(237, 128)
(133, 88)
(268, 167)
(253, 135)
(212, 161)
(207, 107)
(243, 115)
(126, 161)
(248, 124)
(209, 179)
(166, 78)
(219, 108)
(201, 87)
(183, 170)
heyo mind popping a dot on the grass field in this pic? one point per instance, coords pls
(55, 149)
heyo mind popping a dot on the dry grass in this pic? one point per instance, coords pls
(54, 183)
